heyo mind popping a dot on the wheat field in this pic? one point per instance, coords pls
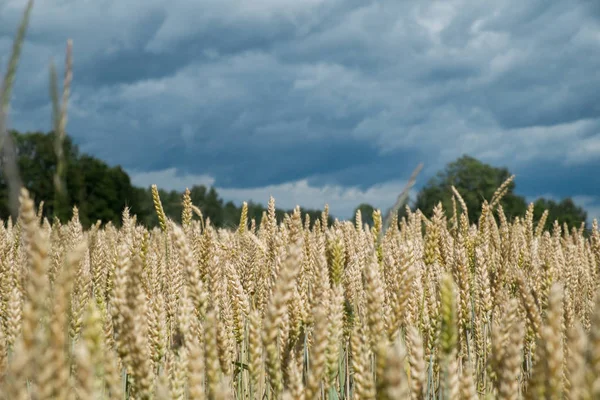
(439, 308)
(428, 309)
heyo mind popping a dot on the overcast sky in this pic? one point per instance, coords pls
(321, 101)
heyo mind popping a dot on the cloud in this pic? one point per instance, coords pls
(169, 179)
(342, 200)
(344, 94)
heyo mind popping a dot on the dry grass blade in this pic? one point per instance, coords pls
(11, 71)
(60, 121)
(7, 147)
(402, 198)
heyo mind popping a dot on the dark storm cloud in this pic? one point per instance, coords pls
(344, 93)
(557, 179)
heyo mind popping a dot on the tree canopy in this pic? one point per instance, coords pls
(476, 182)
(565, 212)
(366, 213)
(99, 191)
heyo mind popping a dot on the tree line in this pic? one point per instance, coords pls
(101, 192)
(476, 182)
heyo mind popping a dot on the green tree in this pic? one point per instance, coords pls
(144, 210)
(36, 161)
(105, 193)
(212, 207)
(231, 215)
(565, 211)
(99, 191)
(366, 214)
(102, 192)
(476, 182)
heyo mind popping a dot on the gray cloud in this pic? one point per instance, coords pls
(347, 93)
